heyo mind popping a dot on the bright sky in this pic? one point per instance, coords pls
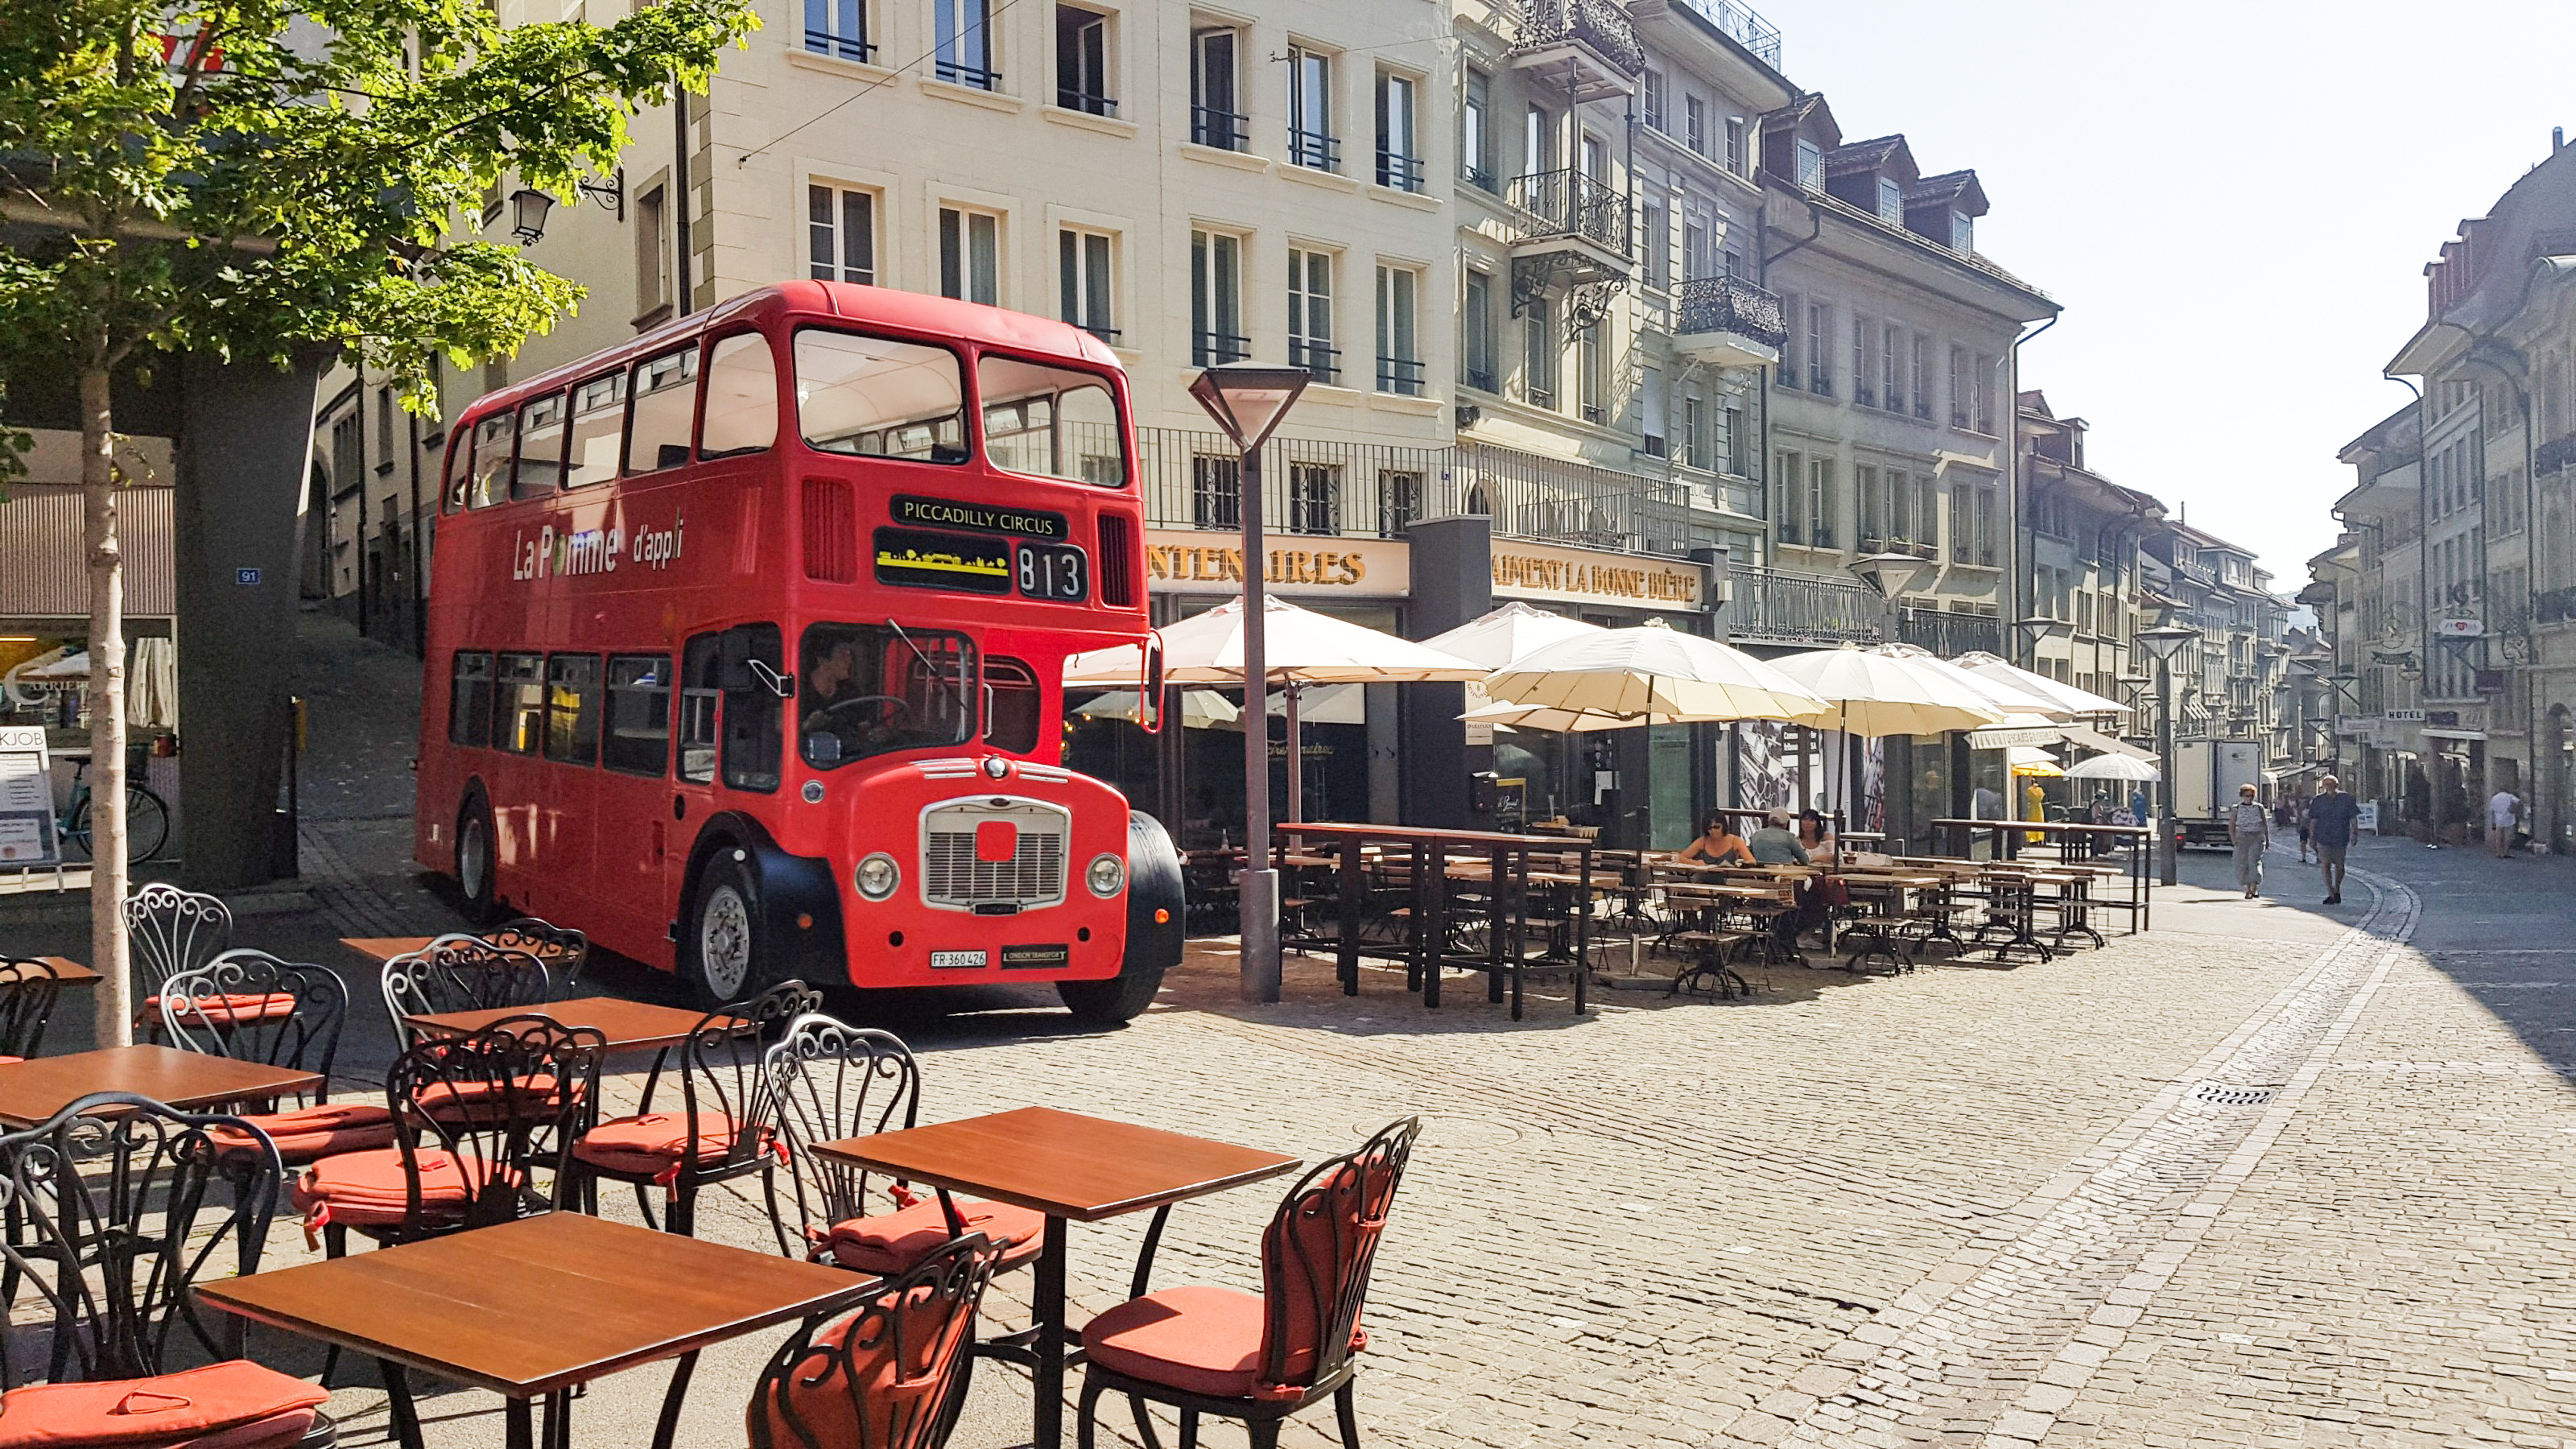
(2234, 203)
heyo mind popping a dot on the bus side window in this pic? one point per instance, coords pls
(492, 460)
(541, 448)
(665, 411)
(469, 700)
(572, 708)
(1010, 705)
(638, 739)
(753, 711)
(520, 725)
(698, 697)
(742, 398)
(598, 426)
(460, 468)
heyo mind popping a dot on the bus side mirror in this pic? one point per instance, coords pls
(1149, 697)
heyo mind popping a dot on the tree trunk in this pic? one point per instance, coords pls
(108, 947)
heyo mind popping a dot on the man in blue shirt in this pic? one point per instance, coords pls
(2330, 819)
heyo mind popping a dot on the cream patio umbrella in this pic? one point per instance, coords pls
(1562, 721)
(1878, 692)
(1497, 638)
(2071, 700)
(1201, 709)
(1652, 671)
(1300, 647)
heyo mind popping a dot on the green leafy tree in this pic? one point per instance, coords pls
(257, 180)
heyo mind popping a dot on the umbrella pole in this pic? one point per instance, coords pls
(1296, 761)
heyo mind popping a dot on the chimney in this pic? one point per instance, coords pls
(2557, 139)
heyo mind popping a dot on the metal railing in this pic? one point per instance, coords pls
(840, 47)
(1732, 304)
(1221, 130)
(1554, 500)
(1210, 348)
(1399, 171)
(1743, 25)
(1400, 375)
(1597, 25)
(1318, 357)
(1085, 102)
(1193, 480)
(1784, 606)
(1314, 150)
(1569, 203)
(1950, 634)
(974, 76)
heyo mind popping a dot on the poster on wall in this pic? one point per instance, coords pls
(27, 840)
(1765, 765)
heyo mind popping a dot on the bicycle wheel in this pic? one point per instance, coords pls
(147, 823)
(76, 831)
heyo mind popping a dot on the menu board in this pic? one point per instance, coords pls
(26, 800)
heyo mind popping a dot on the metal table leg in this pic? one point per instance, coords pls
(668, 1430)
(398, 1404)
(519, 1419)
(1047, 1427)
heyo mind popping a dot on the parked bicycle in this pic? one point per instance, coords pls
(147, 819)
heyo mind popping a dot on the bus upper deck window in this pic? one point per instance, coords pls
(666, 405)
(1053, 422)
(742, 398)
(879, 398)
(491, 460)
(598, 421)
(541, 448)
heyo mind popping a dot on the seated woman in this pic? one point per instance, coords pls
(1718, 845)
(1815, 836)
(1774, 845)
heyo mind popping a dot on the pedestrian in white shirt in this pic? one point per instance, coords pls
(2249, 829)
(2503, 809)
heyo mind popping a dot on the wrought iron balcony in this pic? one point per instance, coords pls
(1570, 205)
(1732, 305)
(1587, 47)
(1950, 635)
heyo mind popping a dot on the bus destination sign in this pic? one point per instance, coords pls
(918, 558)
(949, 513)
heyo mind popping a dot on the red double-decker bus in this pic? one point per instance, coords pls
(746, 646)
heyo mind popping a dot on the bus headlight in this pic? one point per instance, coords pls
(877, 876)
(1108, 875)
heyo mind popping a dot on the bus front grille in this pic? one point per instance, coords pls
(955, 875)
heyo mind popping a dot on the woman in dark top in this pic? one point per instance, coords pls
(1718, 845)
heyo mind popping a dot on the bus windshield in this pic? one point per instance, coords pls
(879, 398)
(865, 689)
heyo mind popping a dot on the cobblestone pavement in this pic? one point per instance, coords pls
(2271, 1173)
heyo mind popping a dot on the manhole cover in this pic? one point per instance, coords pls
(2228, 1094)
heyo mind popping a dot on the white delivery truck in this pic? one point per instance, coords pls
(2206, 774)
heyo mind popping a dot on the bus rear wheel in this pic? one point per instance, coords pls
(474, 874)
(724, 957)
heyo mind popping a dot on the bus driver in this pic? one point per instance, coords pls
(842, 720)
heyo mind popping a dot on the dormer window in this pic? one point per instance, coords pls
(1891, 201)
(1811, 165)
(1963, 233)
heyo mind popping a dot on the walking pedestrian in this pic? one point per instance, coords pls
(2330, 820)
(2299, 818)
(2504, 809)
(2250, 831)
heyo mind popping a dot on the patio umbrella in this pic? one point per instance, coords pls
(2113, 767)
(1876, 692)
(1563, 721)
(1653, 670)
(2002, 691)
(2027, 760)
(1201, 709)
(2069, 698)
(1501, 636)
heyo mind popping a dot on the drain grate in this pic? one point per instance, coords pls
(2229, 1094)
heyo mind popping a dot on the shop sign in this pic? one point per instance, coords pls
(2403, 716)
(26, 799)
(1179, 561)
(2489, 681)
(2356, 725)
(1586, 576)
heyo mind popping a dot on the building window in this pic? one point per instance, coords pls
(1477, 353)
(1538, 141)
(1735, 144)
(838, 28)
(1216, 491)
(1652, 95)
(1864, 374)
(970, 256)
(1694, 248)
(1734, 444)
(1791, 374)
(963, 48)
(1891, 357)
(1311, 142)
(1891, 201)
(1922, 389)
(1592, 374)
(1082, 282)
(1694, 431)
(1960, 388)
(1399, 151)
(1793, 497)
(1650, 412)
(1216, 299)
(1310, 315)
(1962, 525)
(1216, 111)
(1082, 61)
(1986, 529)
(1655, 240)
(1963, 233)
(1399, 500)
(841, 234)
(1399, 357)
(1695, 124)
(1820, 502)
(1820, 349)
(1475, 131)
(652, 257)
(1314, 498)
(1811, 165)
(1539, 354)
(1982, 391)
(1900, 508)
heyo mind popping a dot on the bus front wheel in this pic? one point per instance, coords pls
(1155, 932)
(723, 957)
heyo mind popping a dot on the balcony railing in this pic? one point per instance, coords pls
(844, 47)
(1210, 348)
(1192, 480)
(1222, 130)
(1399, 171)
(1318, 357)
(1558, 501)
(1085, 102)
(1732, 304)
(1570, 204)
(1950, 635)
(1314, 150)
(975, 76)
(1400, 375)
(1598, 25)
(1741, 24)
(1787, 607)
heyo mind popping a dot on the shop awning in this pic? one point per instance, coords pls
(2475, 736)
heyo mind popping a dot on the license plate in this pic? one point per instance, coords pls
(959, 960)
(1028, 957)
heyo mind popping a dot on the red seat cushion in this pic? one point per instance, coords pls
(368, 1189)
(1196, 1339)
(651, 1144)
(308, 1134)
(896, 1379)
(6, 1060)
(891, 1243)
(235, 1404)
(228, 1010)
(472, 1103)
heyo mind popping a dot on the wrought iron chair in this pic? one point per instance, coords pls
(889, 1376)
(829, 1080)
(726, 1127)
(168, 931)
(461, 973)
(202, 1011)
(128, 1195)
(564, 950)
(1259, 1358)
(28, 989)
(483, 1132)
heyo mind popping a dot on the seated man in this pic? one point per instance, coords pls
(1774, 845)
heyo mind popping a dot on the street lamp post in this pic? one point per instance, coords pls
(2162, 643)
(1248, 399)
(1889, 575)
(2034, 629)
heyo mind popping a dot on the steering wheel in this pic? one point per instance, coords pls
(902, 708)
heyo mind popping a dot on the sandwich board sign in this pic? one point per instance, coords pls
(27, 839)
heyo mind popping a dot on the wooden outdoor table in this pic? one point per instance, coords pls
(70, 972)
(1069, 1167)
(628, 1025)
(34, 1090)
(381, 949)
(532, 1308)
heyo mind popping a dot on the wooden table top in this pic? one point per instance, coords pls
(1063, 1164)
(68, 971)
(381, 949)
(628, 1025)
(528, 1307)
(34, 1090)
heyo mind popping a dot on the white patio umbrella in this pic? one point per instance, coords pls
(1300, 647)
(1497, 638)
(2113, 767)
(2001, 691)
(2070, 699)
(1653, 670)
(1201, 709)
(1877, 692)
(1563, 721)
